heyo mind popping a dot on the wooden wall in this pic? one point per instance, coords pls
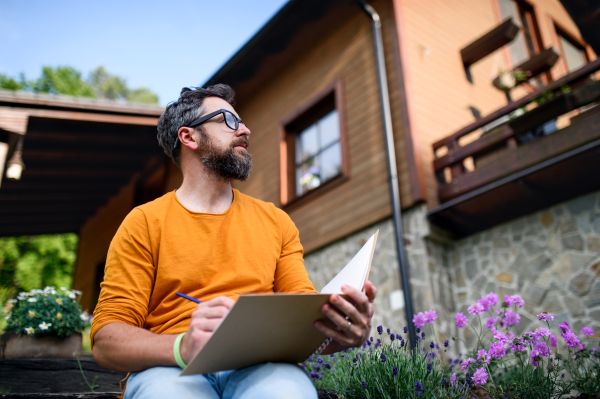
(346, 54)
(431, 34)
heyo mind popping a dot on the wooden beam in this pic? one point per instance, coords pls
(489, 42)
(86, 156)
(52, 228)
(43, 218)
(42, 208)
(83, 139)
(51, 197)
(88, 173)
(93, 117)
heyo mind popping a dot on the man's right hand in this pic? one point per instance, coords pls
(205, 319)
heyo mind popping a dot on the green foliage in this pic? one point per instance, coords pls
(384, 369)
(27, 263)
(68, 80)
(62, 80)
(47, 312)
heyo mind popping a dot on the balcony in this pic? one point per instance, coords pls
(542, 149)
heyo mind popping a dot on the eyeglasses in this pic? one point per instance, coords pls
(232, 121)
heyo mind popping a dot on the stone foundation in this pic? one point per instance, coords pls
(551, 258)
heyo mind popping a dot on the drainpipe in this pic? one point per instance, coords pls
(391, 158)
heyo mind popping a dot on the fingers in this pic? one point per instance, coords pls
(370, 291)
(361, 300)
(352, 337)
(220, 301)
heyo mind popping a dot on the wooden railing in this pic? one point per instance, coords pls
(582, 93)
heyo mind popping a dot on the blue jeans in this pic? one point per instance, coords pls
(264, 381)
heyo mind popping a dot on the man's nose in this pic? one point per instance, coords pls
(243, 130)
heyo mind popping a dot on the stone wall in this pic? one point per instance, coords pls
(551, 258)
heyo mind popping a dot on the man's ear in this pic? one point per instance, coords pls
(186, 137)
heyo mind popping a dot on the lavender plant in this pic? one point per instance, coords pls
(502, 364)
(49, 311)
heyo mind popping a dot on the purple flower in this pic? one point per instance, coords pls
(517, 345)
(380, 330)
(430, 316)
(461, 320)
(589, 331)
(319, 359)
(392, 337)
(517, 300)
(364, 384)
(511, 318)
(446, 343)
(476, 308)
(483, 355)
(314, 375)
(405, 330)
(480, 377)
(553, 341)
(395, 371)
(453, 379)
(497, 350)
(544, 316)
(418, 386)
(565, 326)
(508, 300)
(432, 345)
(542, 332)
(485, 303)
(465, 365)
(542, 349)
(382, 358)
(570, 338)
(419, 320)
(493, 298)
(490, 322)
(388, 331)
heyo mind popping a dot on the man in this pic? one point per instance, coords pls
(213, 243)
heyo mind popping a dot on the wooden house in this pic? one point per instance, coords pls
(496, 138)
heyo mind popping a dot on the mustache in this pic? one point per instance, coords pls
(241, 141)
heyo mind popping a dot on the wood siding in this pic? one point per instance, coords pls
(439, 95)
(363, 199)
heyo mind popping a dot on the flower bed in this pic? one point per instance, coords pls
(501, 364)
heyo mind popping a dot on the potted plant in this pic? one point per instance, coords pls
(44, 324)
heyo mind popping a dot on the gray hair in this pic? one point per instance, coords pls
(184, 111)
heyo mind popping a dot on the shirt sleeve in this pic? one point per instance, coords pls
(290, 274)
(128, 276)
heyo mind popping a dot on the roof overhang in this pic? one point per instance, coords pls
(77, 153)
(293, 30)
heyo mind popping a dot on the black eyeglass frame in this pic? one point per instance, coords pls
(206, 117)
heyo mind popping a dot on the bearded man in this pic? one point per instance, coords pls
(213, 243)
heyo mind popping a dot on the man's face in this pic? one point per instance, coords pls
(221, 149)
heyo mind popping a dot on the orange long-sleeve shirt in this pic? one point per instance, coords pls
(162, 247)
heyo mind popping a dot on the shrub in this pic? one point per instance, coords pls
(501, 365)
(47, 312)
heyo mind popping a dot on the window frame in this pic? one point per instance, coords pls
(582, 46)
(305, 116)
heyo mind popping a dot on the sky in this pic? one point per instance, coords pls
(163, 46)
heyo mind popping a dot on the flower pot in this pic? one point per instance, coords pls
(48, 347)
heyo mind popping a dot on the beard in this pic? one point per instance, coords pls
(225, 164)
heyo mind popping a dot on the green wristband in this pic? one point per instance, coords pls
(177, 353)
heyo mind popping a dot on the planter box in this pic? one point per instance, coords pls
(50, 347)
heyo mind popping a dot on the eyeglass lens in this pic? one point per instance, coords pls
(231, 121)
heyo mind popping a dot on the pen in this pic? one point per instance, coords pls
(181, 294)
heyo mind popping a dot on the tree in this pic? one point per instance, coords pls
(67, 80)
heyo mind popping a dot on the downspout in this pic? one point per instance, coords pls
(391, 158)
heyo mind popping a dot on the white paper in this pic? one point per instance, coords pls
(355, 272)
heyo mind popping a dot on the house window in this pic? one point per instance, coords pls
(318, 153)
(573, 53)
(528, 40)
(313, 146)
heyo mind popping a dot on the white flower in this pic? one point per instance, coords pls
(71, 295)
(31, 300)
(12, 301)
(31, 313)
(29, 330)
(44, 325)
(77, 292)
(7, 317)
(84, 316)
(63, 288)
(59, 301)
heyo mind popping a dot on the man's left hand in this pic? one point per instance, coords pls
(349, 319)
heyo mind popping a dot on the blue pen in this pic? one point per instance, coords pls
(181, 294)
